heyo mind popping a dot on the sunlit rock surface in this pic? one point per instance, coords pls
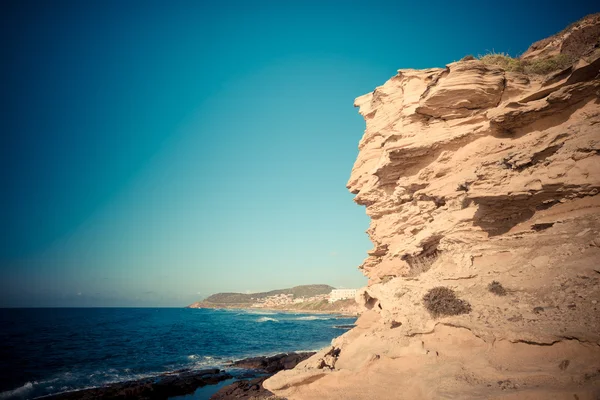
(472, 174)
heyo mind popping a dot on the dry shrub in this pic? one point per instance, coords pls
(442, 301)
(497, 288)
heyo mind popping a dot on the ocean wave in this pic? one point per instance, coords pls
(265, 319)
(198, 356)
(252, 312)
(94, 361)
(312, 318)
(18, 392)
(201, 362)
(47, 381)
(68, 382)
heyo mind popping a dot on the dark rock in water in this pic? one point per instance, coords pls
(344, 326)
(155, 388)
(185, 381)
(249, 389)
(274, 363)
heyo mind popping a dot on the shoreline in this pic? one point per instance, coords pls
(244, 375)
(198, 371)
(278, 310)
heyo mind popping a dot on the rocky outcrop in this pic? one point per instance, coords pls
(250, 372)
(250, 389)
(578, 40)
(165, 386)
(484, 280)
(272, 364)
(265, 366)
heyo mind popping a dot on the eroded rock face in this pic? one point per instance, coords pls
(576, 40)
(473, 175)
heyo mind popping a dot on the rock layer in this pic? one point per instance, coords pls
(476, 179)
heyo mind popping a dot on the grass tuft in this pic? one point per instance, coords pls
(503, 61)
(547, 65)
(536, 67)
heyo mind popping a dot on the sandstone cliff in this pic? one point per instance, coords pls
(484, 180)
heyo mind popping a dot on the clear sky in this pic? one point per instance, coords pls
(155, 152)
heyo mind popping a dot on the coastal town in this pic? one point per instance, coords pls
(309, 298)
(287, 299)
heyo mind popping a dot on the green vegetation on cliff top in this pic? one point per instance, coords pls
(538, 66)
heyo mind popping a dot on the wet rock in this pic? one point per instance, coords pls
(155, 388)
(274, 363)
(247, 389)
(253, 388)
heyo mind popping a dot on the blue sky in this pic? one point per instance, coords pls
(156, 152)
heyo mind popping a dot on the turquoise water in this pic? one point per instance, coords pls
(45, 351)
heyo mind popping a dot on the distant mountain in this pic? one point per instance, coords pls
(241, 298)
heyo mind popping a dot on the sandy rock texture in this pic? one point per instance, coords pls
(485, 182)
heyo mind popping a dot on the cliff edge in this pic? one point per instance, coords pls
(481, 180)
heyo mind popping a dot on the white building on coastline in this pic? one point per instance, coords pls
(341, 294)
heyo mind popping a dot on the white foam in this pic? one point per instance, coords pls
(45, 382)
(265, 319)
(18, 392)
(67, 382)
(206, 362)
(252, 312)
(311, 318)
(202, 361)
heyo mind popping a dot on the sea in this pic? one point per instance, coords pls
(52, 350)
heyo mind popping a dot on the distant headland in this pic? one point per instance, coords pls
(303, 298)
